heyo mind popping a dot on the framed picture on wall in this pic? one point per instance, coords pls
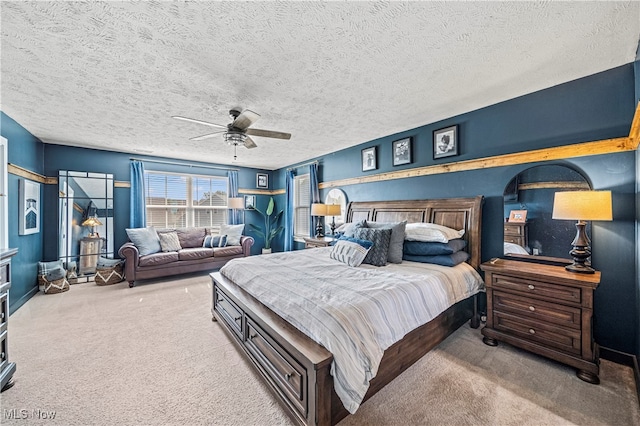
(369, 159)
(445, 142)
(29, 201)
(262, 180)
(249, 202)
(402, 151)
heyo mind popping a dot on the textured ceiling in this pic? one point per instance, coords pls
(110, 75)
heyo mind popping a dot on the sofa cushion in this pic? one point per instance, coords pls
(145, 239)
(195, 253)
(169, 241)
(190, 237)
(227, 251)
(158, 258)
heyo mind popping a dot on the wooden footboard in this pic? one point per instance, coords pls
(297, 369)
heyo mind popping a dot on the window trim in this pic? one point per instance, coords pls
(300, 237)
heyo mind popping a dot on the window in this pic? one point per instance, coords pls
(301, 205)
(178, 201)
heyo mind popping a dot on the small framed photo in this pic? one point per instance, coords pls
(402, 151)
(369, 159)
(249, 202)
(445, 142)
(518, 216)
(262, 180)
(29, 219)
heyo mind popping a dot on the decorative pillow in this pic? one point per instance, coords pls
(364, 243)
(212, 241)
(397, 238)
(145, 239)
(424, 248)
(348, 252)
(169, 241)
(348, 228)
(443, 259)
(191, 237)
(431, 232)
(56, 273)
(45, 267)
(233, 233)
(380, 238)
(104, 262)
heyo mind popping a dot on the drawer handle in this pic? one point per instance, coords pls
(252, 336)
(532, 287)
(237, 318)
(1, 315)
(532, 308)
(532, 331)
(287, 376)
(3, 355)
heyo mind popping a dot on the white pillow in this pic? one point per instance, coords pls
(349, 252)
(233, 233)
(431, 232)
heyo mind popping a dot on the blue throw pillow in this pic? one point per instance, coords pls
(212, 241)
(364, 243)
(145, 239)
(422, 248)
(443, 259)
(380, 238)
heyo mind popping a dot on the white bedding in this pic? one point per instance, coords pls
(355, 313)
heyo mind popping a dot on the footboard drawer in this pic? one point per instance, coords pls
(230, 313)
(280, 367)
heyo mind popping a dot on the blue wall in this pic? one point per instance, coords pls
(593, 108)
(26, 151)
(597, 107)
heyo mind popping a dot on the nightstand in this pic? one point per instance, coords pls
(516, 233)
(313, 242)
(544, 309)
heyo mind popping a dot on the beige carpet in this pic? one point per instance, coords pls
(151, 356)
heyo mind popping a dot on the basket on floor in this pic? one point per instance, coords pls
(107, 275)
(52, 277)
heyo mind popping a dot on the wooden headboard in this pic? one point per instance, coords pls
(456, 213)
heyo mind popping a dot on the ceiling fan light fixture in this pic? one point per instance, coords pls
(232, 138)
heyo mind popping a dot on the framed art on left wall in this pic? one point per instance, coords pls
(29, 219)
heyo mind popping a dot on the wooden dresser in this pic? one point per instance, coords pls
(516, 233)
(313, 242)
(6, 368)
(544, 309)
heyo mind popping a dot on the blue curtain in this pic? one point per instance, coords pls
(288, 212)
(315, 195)
(138, 211)
(234, 215)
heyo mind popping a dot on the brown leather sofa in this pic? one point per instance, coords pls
(191, 258)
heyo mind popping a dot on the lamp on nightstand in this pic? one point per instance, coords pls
(333, 210)
(318, 210)
(92, 222)
(582, 206)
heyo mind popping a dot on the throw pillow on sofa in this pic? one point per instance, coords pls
(145, 239)
(213, 241)
(169, 241)
(233, 233)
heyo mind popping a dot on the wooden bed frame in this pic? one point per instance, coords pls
(297, 369)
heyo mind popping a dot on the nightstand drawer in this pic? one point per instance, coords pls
(533, 288)
(561, 338)
(537, 310)
(513, 230)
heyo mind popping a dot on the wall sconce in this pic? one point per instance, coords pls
(92, 222)
(333, 210)
(237, 203)
(319, 209)
(582, 206)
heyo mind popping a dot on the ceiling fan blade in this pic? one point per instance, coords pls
(268, 134)
(249, 143)
(192, 120)
(207, 136)
(245, 119)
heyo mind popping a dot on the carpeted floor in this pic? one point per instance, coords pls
(151, 356)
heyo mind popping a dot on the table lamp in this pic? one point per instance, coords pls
(319, 209)
(333, 210)
(582, 206)
(237, 203)
(92, 222)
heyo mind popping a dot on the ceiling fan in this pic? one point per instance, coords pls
(237, 132)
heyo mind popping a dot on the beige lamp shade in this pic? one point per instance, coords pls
(236, 203)
(91, 221)
(318, 209)
(582, 205)
(333, 209)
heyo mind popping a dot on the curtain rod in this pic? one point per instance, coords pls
(302, 165)
(181, 164)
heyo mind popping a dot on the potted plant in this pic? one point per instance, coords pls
(271, 228)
